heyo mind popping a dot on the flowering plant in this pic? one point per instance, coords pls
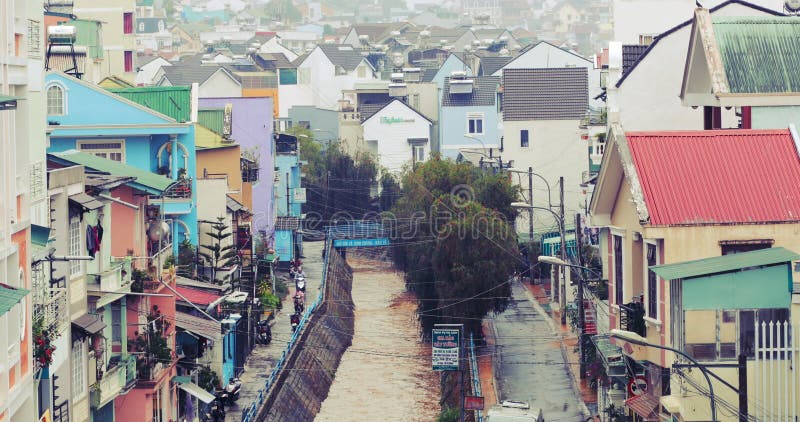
(43, 346)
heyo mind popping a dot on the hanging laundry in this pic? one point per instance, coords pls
(96, 240)
(99, 233)
(90, 240)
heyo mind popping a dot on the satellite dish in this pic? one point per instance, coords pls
(158, 230)
(792, 5)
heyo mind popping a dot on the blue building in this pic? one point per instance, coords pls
(451, 64)
(87, 118)
(470, 113)
(289, 197)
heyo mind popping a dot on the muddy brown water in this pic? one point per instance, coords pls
(386, 374)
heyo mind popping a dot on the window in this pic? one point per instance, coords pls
(110, 149)
(419, 153)
(618, 285)
(34, 39)
(646, 39)
(415, 101)
(362, 71)
(74, 245)
(116, 322)
(523, 138)
(475, 123)
(78, 370)
(724, 334)
(127, 23)
(738, 246)
(288, 76)
(129, 61)
(652, 282)
(55, 101)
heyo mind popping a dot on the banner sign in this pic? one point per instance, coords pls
(473, 403)
(360, 243)
(446, 344)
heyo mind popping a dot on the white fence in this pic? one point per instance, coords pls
(774, 396)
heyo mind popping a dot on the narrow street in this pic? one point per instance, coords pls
(530, 365)
(261, 361)
(386, 372)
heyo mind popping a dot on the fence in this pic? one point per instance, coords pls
(475, 373)
(775, 365)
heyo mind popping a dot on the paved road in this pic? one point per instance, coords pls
(261, 361)
(530, 365)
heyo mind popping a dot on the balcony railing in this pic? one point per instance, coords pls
(117, 379)
(632, 318)
(111, 279)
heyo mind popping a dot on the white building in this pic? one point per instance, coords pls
(398, 135)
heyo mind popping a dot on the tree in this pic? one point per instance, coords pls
(390, 192)
(328, 30)
(283, 11)
(220, 254)
(454, 229)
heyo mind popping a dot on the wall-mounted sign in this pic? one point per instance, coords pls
(446, 343)
(390, 120)
(299, 196)
(360, 243)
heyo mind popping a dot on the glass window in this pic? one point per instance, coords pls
(419, 153)
(288, 77)
(127, 23)
(112, 150)
(652, 282)
(523, 138)
(475, 123)
(129, 61)
(618, 285)
(304, 76)
(55, 100)
(74, 245)
(725, 334)
(78, 370)
(116, 322)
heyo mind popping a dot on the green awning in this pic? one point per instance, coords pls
(152, 182)
(7, 102)
(10, 296)
(725, 263)
(39, 235)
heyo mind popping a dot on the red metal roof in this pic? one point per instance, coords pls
(196, 296)
(718, 176)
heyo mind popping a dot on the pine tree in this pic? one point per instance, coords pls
(218, 255)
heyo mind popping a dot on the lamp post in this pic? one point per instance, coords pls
(563, 252)
(634, 338)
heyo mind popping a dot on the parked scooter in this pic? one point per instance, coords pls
(300, 283)
(264, 332)
(232, 389)
(295, 321)
(215, 412)
(299, 304)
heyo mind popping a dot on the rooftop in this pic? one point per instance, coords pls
(545, 94)
(145, 179)
(484, 93)
(172, 101)
(725, 263)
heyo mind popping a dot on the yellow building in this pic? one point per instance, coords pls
(669, 197)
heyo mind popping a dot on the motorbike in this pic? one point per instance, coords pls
(215, 412)
(298, 305)
(221, 398)
(300, 284)
(264, 332)
(232, 389)
(295, 321)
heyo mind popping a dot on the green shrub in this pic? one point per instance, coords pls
(271, 301)
(449, 414)
(281, 289)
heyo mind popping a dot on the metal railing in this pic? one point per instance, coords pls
(251, 412)
(476, 377)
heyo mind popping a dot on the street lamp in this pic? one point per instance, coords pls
(563, 252)
(634, 338)
(530, 173)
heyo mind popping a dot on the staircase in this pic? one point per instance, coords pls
(589, 318)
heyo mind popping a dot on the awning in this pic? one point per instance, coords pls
(644, 406)
(86, 201)
(613, 359)
(203, 327)
(90, 324)
(10, 296)
(39, 235)
(8, 102)
(193, 389)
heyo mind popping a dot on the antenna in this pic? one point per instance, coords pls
(792, 6)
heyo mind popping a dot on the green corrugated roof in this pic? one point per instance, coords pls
(10, 296)
(39, 235)
(211, 118)
(205, 138)
(172, 101)
(759, 54)
(725, 263)
(144, 178)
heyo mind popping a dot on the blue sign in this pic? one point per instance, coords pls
(446, 343)
(355, 243)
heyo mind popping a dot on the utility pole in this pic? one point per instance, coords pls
(743, 410)
(581, 309)
(563, 288)
(530, 224)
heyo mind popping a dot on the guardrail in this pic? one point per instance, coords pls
(250, 413)
(476, 377)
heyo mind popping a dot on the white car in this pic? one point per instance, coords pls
(514, 411)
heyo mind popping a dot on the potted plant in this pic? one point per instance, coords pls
(43, 346)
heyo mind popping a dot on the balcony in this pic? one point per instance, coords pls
(120, 378)
(632, 318)
(176, 199)
(111, 279)
(149, 270)
(151, 369)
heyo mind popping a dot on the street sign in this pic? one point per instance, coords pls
(637, 386)
(360, 243)
(299, 196)
(446, 343)
(473, 403)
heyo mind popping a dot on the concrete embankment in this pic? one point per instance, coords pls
(311, 365)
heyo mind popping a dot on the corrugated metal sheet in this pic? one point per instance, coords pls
(153, 181)
(211, 118)
(725, 263)
(721, 176)
(760, 54)
(172, 101)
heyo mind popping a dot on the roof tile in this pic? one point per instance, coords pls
(484, 93)
(545, 94)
